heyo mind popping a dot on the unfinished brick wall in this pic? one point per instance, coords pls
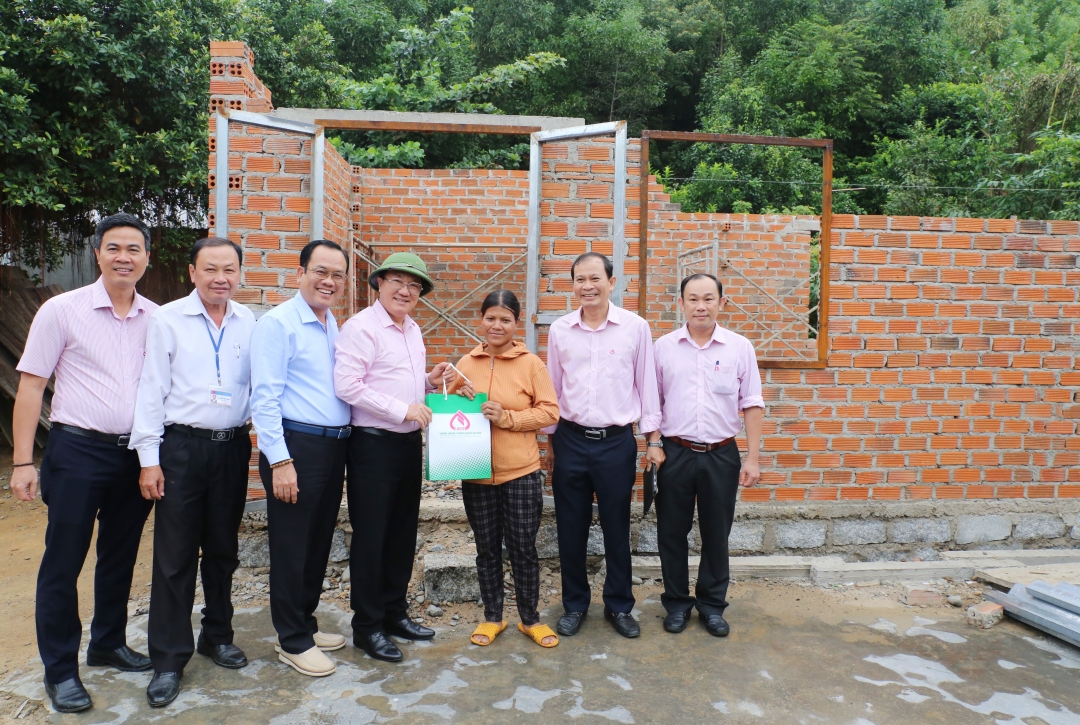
(433, 212)
(954, 367)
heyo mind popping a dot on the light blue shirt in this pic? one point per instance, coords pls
(292, 374)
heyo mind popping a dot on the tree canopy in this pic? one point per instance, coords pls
(950, 107)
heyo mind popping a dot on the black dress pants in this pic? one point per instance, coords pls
(386, 473)
(205, 490)
(301, 534)
(713, 479)
(83, 479)
(583, 467)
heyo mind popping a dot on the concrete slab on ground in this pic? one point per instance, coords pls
(796, 654)
(985, 557)
(1005, 577)
(744, 567)
(826, 572)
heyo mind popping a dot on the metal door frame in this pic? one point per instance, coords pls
(532, 279)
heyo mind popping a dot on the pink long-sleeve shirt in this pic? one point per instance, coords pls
(379, 369)
(97, 357)
(702, 389)
(605, 376)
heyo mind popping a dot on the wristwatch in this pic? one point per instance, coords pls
(655, 444)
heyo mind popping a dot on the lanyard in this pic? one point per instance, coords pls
(217, 347)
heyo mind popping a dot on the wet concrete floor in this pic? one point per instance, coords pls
(795, 655)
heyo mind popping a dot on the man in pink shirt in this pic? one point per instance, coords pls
(601, 361)
(706, 376)
(379, 370)
(92, 338)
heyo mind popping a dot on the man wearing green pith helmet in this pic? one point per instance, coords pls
(380, 371)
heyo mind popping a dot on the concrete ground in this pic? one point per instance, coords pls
(797, 654)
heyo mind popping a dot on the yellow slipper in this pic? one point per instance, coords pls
(538, 632)
(491, 630)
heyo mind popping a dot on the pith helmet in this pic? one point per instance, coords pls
(403, 262)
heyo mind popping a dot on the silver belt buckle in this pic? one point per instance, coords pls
(221, 434)
(343, 432)
(699, 447)
(122, 441)
(594, 434)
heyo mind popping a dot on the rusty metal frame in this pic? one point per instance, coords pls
(824, 267)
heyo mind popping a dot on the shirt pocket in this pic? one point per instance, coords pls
(724, 380)
(243, 365)
(619, 364)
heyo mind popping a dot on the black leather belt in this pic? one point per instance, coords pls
(114, 438)
(595, 433)
(699, 447)
(322, 431)
(218, 434)
(383, 432)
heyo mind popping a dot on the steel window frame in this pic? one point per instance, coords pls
(824, 266)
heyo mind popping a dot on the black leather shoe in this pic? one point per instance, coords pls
(163, 689)
(570, 623)
(716, 624)
(124, 659)
(624, 624)
(223, 655)
(379, 646)
(69, 695)
(676, 622)
(408, 629)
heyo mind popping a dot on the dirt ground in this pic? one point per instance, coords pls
(22, 542)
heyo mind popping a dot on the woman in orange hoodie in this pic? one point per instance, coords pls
(508, 506)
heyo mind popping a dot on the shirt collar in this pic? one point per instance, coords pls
(386, 320)
(307, 314)
(99, 298)
(612, 317)
(195, 306)
(719, 335)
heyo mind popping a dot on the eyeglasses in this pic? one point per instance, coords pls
(414, 288)
(324, 273)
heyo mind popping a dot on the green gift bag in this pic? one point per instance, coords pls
(458, 439)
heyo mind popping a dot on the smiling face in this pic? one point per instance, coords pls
(701, 303)
(216, 274)
(498, 326)
(592, 286)
(122, 257)
(399, 293)
(323, 282)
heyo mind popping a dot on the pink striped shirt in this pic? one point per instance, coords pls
(702, 389)
(604, 376)
(97, 357)
(379, 369)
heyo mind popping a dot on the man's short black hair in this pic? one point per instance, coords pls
(700, 275)
(215, 242)
(305, 253)
(119, 220)
(609, 268)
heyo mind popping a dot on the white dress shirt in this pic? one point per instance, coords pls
(179, 373)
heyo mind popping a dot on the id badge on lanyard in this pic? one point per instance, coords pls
(219, 394)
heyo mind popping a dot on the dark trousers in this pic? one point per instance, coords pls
(713, 479)
(205, 490)
(386, 473)
(509, 511)
(584, 467)
(301, 534)
(83, 479)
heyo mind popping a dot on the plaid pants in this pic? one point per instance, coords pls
(511, 510)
